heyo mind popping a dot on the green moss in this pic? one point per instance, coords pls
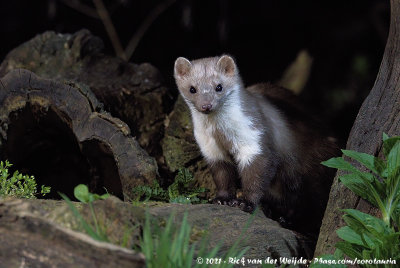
(178, 144)
(182, 190)
(219, 222)
(198, 234)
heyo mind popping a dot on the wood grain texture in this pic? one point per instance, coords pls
(135, 93)
(29, 240)
(41, 118)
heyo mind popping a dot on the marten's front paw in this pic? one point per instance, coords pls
(244, 205)
(221, 201)
(285, 223)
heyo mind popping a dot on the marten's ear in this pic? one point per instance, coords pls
(182, 67)
(227, 65)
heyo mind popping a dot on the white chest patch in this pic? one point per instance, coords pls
(237, 128)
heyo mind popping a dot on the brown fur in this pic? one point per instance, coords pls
(285, 176)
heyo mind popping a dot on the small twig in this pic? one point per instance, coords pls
(112, 33)
(82, 8)
(135, 39)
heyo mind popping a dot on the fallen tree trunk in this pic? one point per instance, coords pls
(379, 113)
(60, 134)
(123, 224)
(132, 92)
(28, 240)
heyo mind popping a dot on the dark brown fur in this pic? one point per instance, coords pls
(297, 193)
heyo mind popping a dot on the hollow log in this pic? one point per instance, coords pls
(135, 93)
(59, 133)
(380, 112)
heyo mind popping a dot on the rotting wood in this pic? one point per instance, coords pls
(63, 136)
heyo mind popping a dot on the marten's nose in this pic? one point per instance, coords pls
(206, 107)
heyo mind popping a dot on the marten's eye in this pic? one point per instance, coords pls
(192, 90)
(218, 88)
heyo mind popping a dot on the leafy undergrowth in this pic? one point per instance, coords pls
(18, 185)
(366, 239)
(180, 191)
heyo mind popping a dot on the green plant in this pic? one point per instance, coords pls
(167, 246)
(81, 192)
(367, 237)
(170, 246)
(147, 192)
(180, 191)
(18, 185)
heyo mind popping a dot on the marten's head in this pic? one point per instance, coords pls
(207, 84)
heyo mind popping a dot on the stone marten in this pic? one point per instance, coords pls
(260, 139)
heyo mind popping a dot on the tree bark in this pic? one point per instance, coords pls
(379, 113)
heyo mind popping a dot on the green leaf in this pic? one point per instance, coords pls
(378, 202)
(396, 216)
(351, 250)
(99, 197)
(379, 185)
(372, 163)
(393, 191)
(104, 196)
(393, 159)
(81, 192)
(173, 190)
(354, 224)
(381, 167)
(18, 185)
(366, 186)
(349, 235)
(339, 163)
(45, 190)
(388, 145)
(376, 235)
(384, 136)
(373, 224)
(89, 230)
(356, 184)
(367, 255)
(338, 254)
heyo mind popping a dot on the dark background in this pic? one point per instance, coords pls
(346, 40)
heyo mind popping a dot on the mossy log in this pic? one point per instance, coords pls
(29, 240)
(217, 225)
(59, 133)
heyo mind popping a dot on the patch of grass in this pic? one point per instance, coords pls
(168, 245)
(171, 246)
(18, 185)
(81, 192)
